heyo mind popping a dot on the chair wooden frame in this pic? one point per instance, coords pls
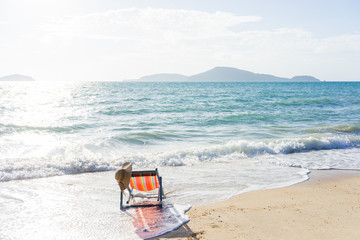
(131, 196)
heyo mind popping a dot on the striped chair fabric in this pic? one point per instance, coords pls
(144, 181)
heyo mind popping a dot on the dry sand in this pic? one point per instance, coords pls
(325, 207)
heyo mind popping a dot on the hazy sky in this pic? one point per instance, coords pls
(109, 40)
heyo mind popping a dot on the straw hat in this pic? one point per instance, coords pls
(123, 176)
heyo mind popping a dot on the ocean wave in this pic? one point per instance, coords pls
(142, 138)
(306, 101)
(354, 129)
(19, 169)
(283, 146)
(13, 128)
(82, 159)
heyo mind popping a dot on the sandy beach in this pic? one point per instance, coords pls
(327, 206)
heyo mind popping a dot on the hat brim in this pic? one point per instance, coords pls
(123, 175)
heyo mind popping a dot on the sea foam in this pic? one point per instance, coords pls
(81, 159)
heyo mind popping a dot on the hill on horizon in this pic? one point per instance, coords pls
(222, 74)
(16, 78)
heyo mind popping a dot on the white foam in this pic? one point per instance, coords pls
(81, 158)
(319, 160)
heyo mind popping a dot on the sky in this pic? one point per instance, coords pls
(113, 40)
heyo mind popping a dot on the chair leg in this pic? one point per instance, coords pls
(160, 189)
(130, 194)
(121, 200)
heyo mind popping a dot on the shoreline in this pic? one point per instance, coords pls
(326, 206)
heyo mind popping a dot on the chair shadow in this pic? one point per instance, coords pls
(183, 231)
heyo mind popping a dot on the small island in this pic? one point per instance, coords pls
(222, 74)
(16, 78)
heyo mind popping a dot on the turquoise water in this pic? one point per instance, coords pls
(60, 144)
(51, 129)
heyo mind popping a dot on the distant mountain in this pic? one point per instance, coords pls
(304, 79)
(223, 74)
(228, 74)
(164, 77)
(16, 78)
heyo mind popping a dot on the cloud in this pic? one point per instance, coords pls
(147, 24)
(339, 44)
(163, 29)
(3, 23)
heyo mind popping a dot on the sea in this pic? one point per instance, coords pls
(61, 142)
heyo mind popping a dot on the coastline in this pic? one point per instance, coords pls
(327, 206)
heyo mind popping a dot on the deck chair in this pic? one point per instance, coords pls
(144, 181)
